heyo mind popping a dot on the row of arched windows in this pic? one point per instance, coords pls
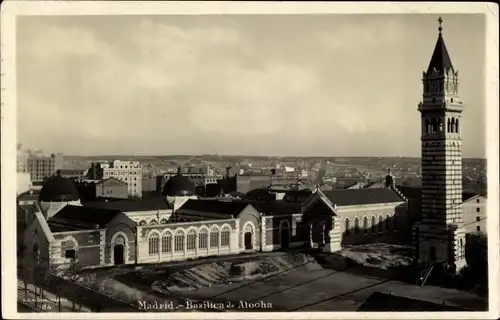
(191, 240)
(435, 125)
(381, 226)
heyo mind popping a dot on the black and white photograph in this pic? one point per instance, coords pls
(246, 160)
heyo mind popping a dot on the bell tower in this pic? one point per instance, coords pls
(441, 240)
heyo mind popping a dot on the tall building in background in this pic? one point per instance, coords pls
(129, 172)
(441, 237)
(22, 159)
(42, 167)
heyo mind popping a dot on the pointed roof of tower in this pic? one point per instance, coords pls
(440, 58)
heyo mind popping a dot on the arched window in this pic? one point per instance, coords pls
(347, 227)
(143, 223)
(356, 225)
(374, 224)
(365, 224)
(203, 239)
(214, 238)
(153, 222)
(154, 240)
(163, 221)
(387, 222)
(448, 127)
(440, 125)
(191, 240)
(225, 237)
(179, 241)
(452, 125)
(427, 126)
(380, 224)
(166, 243)
(456, 126)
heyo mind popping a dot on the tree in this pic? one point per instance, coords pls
(475, 275)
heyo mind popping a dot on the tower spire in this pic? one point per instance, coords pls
(440, 60)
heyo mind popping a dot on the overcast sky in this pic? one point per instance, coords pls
(331, 85)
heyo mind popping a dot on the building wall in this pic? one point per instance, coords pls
(129, 172)
(150, 217)
(44, 167)
(121, 226)
(272, 231)
(394, 226)
(474, 214)
(88, 246)
(22, 159)
(147, 234)
(111, 188)
(250, 221)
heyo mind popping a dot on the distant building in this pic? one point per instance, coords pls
(129, 172)
(41, 167)
(22, 159)
(106, 189)
(73, 174)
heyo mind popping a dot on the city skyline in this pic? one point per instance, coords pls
(287, 85)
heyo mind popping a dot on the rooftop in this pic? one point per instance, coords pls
(73, 218)
(351, 197)
(130, 205)
(226, 207)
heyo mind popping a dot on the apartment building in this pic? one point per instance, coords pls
(129, 172)
(41, 167)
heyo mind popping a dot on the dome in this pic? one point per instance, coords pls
(179, 186)
(57, 188)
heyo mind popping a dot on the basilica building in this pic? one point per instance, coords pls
(59, 229)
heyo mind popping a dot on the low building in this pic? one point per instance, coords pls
(106, 189)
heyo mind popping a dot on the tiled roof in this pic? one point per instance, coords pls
(298, 196)
(415, 193)
(351, 197)
(144, 204)
(274, 207)
(378, 301)
(227, 207)
(71, 218)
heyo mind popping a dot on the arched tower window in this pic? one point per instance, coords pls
(347, 226)
(452, 125)
(448, 126)
(427, 126)
(456, 126)
(440, 125)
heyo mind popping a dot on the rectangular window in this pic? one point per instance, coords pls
(478, 228)
(478, 210)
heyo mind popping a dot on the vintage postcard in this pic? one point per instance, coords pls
(249, 160)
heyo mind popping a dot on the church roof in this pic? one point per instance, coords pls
(228, 207)
(58, 188)
(152, 203)
(352, 197)
(72, 218)
(440, 58)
